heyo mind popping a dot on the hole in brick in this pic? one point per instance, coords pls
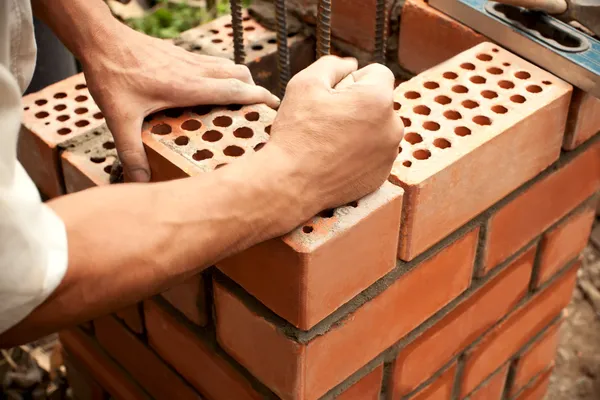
(442, 143)
(407, 122)
(202, 110)
(97, 133)
(109, 145)
(307, 229)
(506, 64)
(489, 94)
(431, 126)
(98, 115)
(41, 102)
(259, 146)
(174, 112)
(431, 85)
(506, 84)
(246, 19)
(413, 138)
(41, 114)
(292, 34)
(470, 104)
(450, 75)
(327, 213)
(268, 129)
(81, 98)
(422, 110)
(452, 114)
(62, 118)
(223, 121)
(212, 136)
(191, 125)
(230, 34)
(249, 28)
(272, 41)
(522, 75)
(399, 149)
(224, 49)
(547, 82)
(534, 89)
(196, 47)
(482, 120)
(60, 95)
(81, 110)
(60, 107)
(407, 163)
(495, 71)
(484, 57)
(234, 107)
(80, 86)
(63, 131)
(478, 79)
(499, 109)
(412, 95)
(495, 50)
(25, 108)
(397, 106)
(252, 116)
(352, 204)
(517, 98)
(214, 31)
(182, 140)
(443, 100)
(217, 40)
(97, 160)
(243, 132)
(161, 129)
(82, 122)
(462, 131)
(108, 169)
(220, 165)
(257, 47)
(422, 154)
(202, 155)
(46, 123)
(460, 89)
(233, 151)
(467, 66)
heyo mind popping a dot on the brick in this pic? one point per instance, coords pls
(499, 345)
(189, 298)
(440, 388)
(584, 119)
(537, 389)
(86, 353)
(493, 388)
(51, 117)
(538, 358)
(82, 385)
(86, 161)
(368, 388)
(564, 243)
(521, 220)
(468, 321)
(429, 37)
(450, 151)
(328, 260)
(307, 370)
(132, 317)
(143, 365)
(193, 358)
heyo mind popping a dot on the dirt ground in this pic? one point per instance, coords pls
(577, 372)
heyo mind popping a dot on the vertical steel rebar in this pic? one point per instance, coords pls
(381, 28)
(283, 59)
(239, 54)
(324, 28)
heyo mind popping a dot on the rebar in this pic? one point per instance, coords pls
(324, 28)
(381, 28)
(239, 55)
(283, 59)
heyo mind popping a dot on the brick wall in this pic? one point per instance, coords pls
(457, 295)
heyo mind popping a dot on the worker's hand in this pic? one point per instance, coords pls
(141, 75)
(338, 126)
(549, 6)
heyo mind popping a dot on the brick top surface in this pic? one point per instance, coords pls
(453, 108)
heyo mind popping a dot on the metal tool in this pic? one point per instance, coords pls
(239, 55)
(283, 55)
(324, 28)
(543, 39)
(381, 29)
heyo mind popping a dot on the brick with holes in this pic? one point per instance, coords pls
(584, 119)
(333, 257)
(476, 128)
(51, 117)
(307, 369)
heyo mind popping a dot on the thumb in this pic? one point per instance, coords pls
(128, 140)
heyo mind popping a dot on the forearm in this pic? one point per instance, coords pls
(128, 242)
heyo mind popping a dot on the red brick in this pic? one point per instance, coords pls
(493, 388)
(429, 37)
(143, 365)
(536, 359)
(83, 386)
(507, 338)
(307, 371)
(368, 388)
(564, 243)
(440, 388)
(193, 358)
(106, 372)
(132, 317)
(189, 298)
(584, 119)
(532, 212)
(468, 321)
(450, 151)
(47, 125)
(537, 389)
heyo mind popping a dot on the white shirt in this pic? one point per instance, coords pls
(33, 240)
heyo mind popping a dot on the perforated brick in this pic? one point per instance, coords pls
(476, 127)
(51, 117)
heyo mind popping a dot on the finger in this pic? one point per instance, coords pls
(224, 71)
(374, 74)
(128, 139)
(345, 83)
(330, 70)
(549, 6)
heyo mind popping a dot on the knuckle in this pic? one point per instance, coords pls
(241, 71)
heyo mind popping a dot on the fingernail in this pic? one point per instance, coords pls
(276, 101)
(139, 175)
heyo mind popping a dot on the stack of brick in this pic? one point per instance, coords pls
(448, 282)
